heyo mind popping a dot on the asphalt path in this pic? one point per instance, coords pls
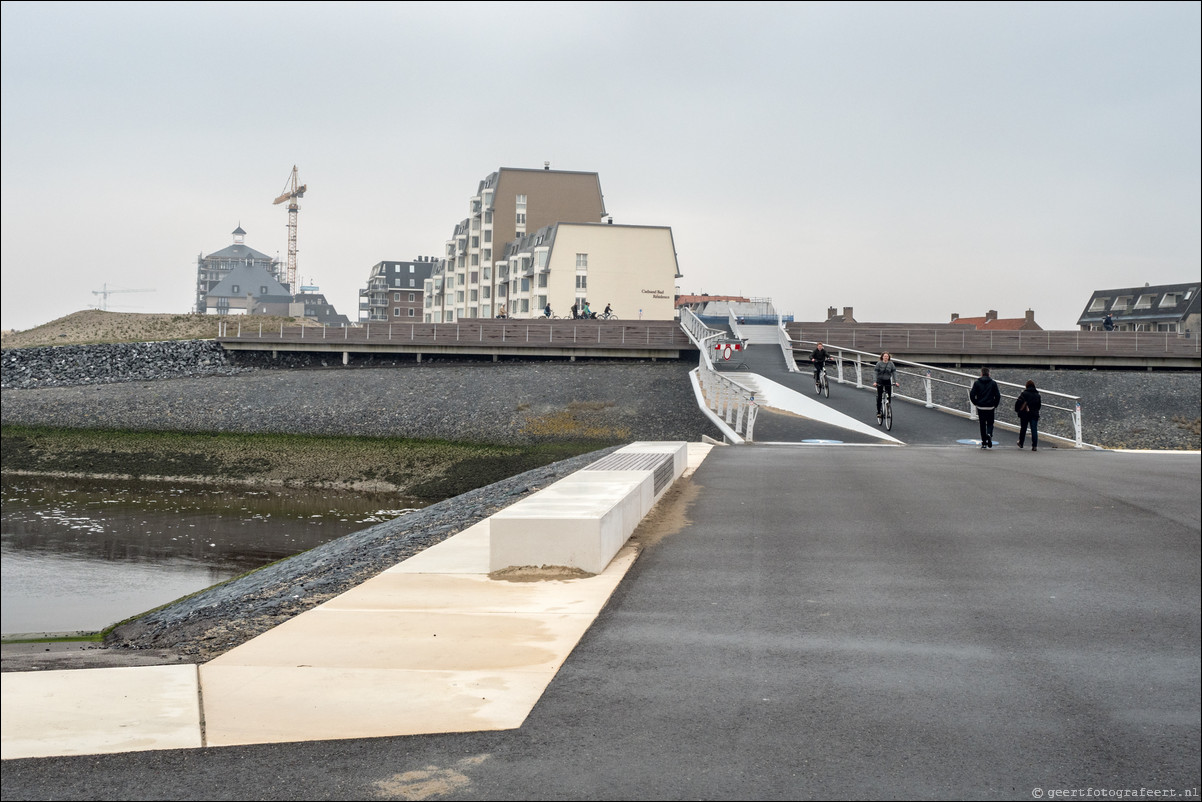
(823, 622)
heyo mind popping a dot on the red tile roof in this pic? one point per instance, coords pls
(997, 324)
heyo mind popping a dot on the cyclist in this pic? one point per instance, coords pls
(885, 379)
(608, 313)
(819, 357)
(547, 310)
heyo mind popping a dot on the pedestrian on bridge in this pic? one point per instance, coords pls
(1027, 406)
(985, 395)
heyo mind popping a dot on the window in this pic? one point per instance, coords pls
(412, 283)
(1098, 305)
(396, 311)
(1169, 299)
(410, 268)
(474, 278)
(1120, 303)
(396, 296)
(237, 289)
(488, 235)
(411, 311)
(1144, 302)
(582, 261)
(542, 280)
(582, 282)
(262, 289)
(486, 292)
(411, 297)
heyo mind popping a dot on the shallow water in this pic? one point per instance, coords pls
(78, 556)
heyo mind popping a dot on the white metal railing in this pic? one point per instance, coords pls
(947, 390)
(728, 404)
(786, 346)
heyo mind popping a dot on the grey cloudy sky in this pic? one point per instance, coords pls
(910, 160)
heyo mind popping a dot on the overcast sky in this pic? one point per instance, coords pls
(909, 160)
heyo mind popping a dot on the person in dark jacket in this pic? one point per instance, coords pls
(818, 356)
(985, 396)
(1027, 406)
(884, 378)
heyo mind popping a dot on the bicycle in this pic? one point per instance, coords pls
(821, 385)
(607, 316)
(885, 415)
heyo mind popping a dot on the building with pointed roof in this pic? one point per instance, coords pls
(212, 269)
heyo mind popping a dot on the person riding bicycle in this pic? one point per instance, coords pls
(819, 357)
(609, 312)
(547, 310)
(587, 313)
(884, 379)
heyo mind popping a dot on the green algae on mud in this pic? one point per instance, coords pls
(423, 469)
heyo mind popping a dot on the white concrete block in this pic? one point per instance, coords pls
(583, 520)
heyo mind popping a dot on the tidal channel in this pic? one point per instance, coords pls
(81, 555)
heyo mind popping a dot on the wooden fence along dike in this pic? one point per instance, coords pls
(664, 339)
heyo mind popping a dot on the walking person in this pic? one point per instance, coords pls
(1027, 406)
(985, 395)
(884, 379)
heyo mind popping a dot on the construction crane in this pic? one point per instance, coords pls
(292, 193)
(105, 292)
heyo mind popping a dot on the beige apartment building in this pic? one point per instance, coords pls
(632, 269)
(507, 204)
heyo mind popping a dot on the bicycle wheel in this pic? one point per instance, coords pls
(888, 414)
(826, 386)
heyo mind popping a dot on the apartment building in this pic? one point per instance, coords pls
(395, 291)
(1152, 307)
(632, 269)
(507, 205)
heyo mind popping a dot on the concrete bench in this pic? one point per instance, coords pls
(582, 520)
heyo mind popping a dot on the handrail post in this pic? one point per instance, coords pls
(859, 373)
(927, 382)
(1077, 424)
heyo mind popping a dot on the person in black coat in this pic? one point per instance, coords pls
(1027, 406)
(818, 356)
(985, 396)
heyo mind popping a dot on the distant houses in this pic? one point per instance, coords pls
(1152, 307)
(991, 322)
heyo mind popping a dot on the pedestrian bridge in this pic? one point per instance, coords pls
(753, 389)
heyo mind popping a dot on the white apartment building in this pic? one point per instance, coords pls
(513, 215)
(506, 205)
(633, 269)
